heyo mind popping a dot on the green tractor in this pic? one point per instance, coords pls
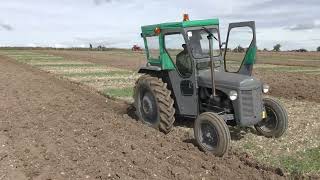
(190, 73)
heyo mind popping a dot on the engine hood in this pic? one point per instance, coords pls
(228, 80)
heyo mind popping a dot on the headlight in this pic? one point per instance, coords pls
(265, 88)
(233, 95)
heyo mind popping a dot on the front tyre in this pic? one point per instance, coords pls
(276, 122)
(212, 133)
(153, 103)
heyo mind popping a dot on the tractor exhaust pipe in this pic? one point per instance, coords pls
(212, 67)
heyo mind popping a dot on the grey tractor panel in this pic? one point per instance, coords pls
(186, 103)
(228, 80)
(248, 106)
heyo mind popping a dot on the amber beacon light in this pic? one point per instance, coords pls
(185, 17)
(157, 30)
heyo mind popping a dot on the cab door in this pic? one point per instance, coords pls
(182, 81)
(240, 49)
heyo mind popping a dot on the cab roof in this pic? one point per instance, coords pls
(149, 29)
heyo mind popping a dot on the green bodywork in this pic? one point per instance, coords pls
(164, 61)
(250, 56)
(149, 30)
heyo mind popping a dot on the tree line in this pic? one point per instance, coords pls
(276, 48)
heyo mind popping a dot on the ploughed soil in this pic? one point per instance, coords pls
(54, 129)
(124, 59)
(305, 59)
(298, 86)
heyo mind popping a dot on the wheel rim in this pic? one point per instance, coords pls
(270, 122)
(147, 104)
(148, 107)
(208, 135)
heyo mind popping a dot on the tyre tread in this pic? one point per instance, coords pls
(163, 98)
(282, 129)
(223, 131)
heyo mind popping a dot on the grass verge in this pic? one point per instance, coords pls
(67, 65)
(302, 162)
(99, 74)
(119, 92)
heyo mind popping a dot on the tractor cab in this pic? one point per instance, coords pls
(190, 72)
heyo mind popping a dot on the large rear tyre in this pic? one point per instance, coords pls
(212, 133)
(276, 122)
(153, 103)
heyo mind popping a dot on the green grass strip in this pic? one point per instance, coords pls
(119, 92)
(67, 65)
(99, 74)
(303, 162)
(17, 52)
(39, 58)
(122, 80)
(289, 69)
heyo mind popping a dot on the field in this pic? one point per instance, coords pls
(63, 116)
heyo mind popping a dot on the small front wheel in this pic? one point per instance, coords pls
(212, 133)
(276, 122)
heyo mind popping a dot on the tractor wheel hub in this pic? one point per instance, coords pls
(146, 104)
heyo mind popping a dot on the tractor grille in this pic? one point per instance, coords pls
(251, 103)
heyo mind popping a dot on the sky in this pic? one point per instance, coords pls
(116, 23)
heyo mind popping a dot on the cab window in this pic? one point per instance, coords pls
(177, 50)
(200, 43)
(153, 47)
(239, 41)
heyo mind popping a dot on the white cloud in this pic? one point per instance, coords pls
(117, 22)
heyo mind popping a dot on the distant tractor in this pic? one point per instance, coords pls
(136, 48)
(196, 82)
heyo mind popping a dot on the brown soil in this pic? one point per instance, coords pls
(53, 129)
(116, 58)
(315, 63)
(290, 85)
(305, 59)
(133, 60)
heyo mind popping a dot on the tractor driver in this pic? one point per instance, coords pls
(184, 63)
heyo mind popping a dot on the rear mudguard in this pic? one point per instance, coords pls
(149, 69)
